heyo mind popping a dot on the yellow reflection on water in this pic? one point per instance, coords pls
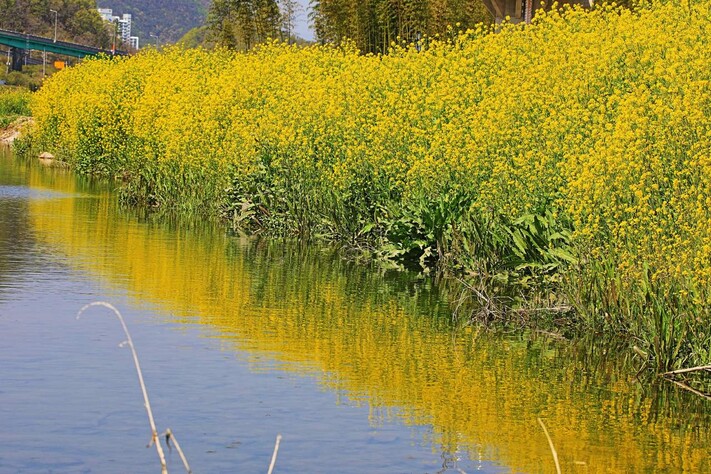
(384, 341)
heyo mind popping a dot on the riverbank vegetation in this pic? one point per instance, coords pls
(560, 166)
(14, 103)
(379, 336)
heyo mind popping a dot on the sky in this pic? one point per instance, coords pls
(302, 22)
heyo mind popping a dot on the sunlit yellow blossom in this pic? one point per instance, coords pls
(601, 117)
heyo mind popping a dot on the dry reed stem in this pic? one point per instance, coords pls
(550, 443)
(274, 454)
(170, 436)
(686, 371)
(147, 403)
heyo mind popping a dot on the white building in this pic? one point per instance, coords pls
(123, 26)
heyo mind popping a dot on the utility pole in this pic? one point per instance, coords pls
(115, 28)
(55, 24)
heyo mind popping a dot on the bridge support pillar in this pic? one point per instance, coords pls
(18, 59)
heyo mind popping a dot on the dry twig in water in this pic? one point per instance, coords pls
(274, 454)
(669, 376)
(689, 370)
(147, 403)
(550, 443)
(169, 436)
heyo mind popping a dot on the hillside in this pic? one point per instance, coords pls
(168, 20)
(77, 21)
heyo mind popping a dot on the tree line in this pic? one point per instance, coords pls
(241, 24)
(371, 24)
(374, 24)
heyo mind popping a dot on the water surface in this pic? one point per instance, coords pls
(360, 370)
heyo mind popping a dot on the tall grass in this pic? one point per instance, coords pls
(567, 159)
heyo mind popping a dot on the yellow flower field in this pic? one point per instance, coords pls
(577, 147)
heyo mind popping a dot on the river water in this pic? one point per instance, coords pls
(360, 370)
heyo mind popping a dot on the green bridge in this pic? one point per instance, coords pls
(19, 43)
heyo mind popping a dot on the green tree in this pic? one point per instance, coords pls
(77, 20)
(267, 20)
(240, 24)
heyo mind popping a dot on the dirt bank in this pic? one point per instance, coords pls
(14, 130)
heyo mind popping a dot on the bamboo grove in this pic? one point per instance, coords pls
(371, 25)
(241, 24)
(568, 158)
(374, 24)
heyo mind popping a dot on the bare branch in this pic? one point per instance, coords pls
(169, 436)
(147, 403)
(686, 371)
(274, 454)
